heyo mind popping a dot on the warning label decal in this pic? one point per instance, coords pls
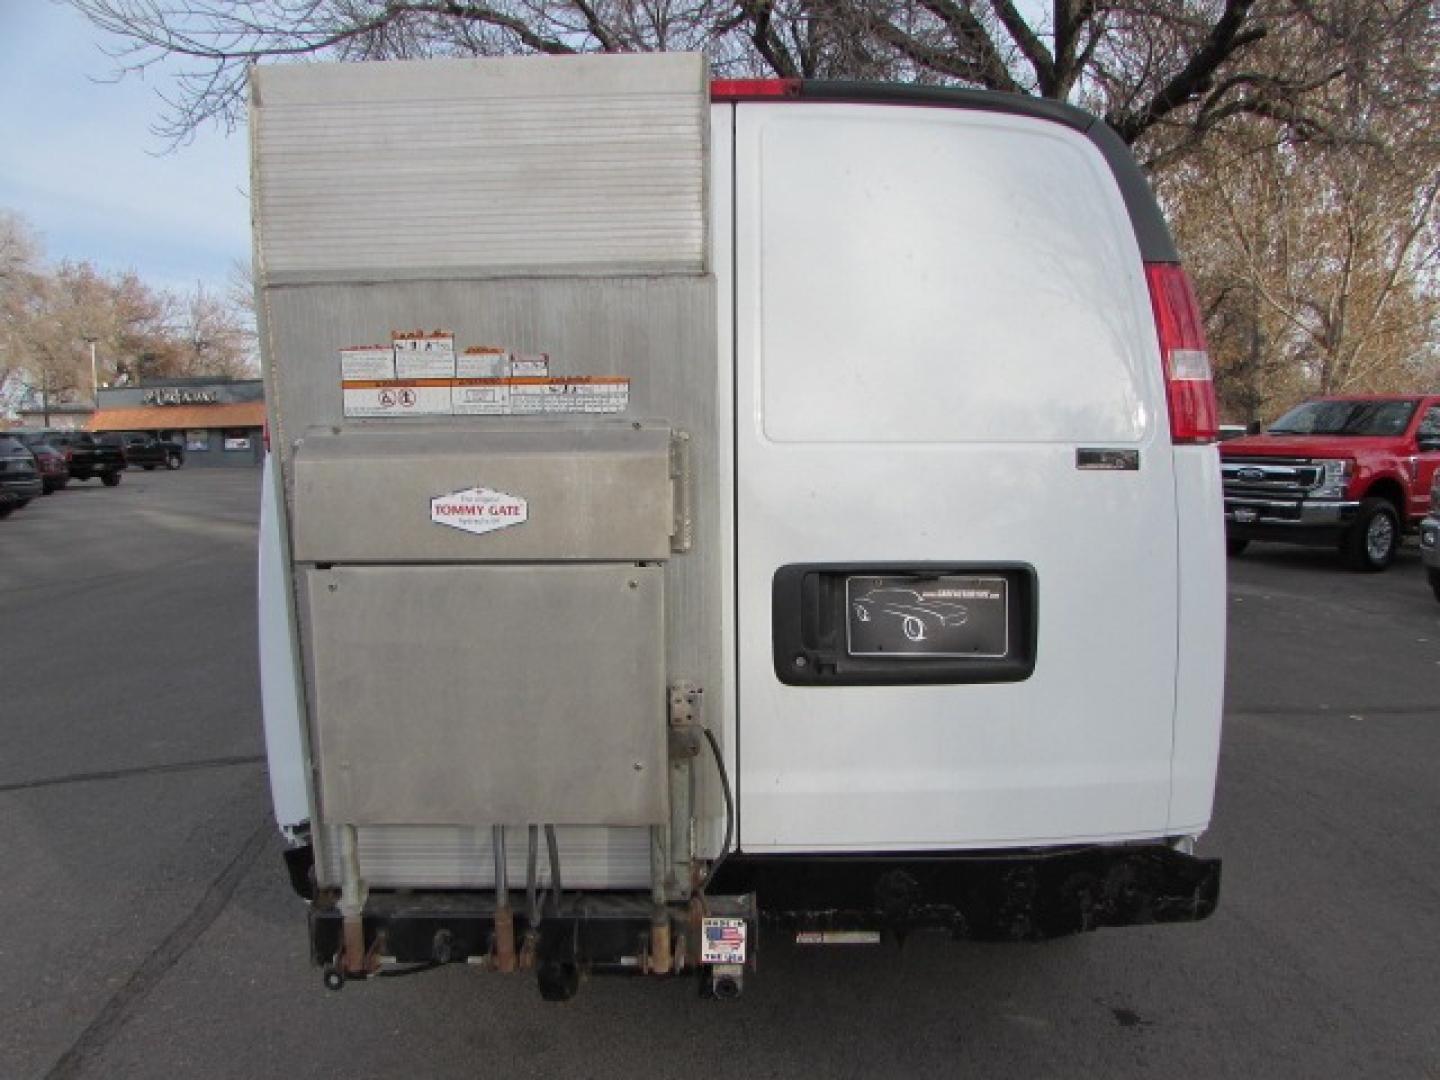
(478, 510)
(412, 397)
(420, 374)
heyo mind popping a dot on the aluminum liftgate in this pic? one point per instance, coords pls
(488, 314)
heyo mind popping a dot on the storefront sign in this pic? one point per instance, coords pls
(172, 395)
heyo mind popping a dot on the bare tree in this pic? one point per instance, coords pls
(1319, 264)
(214, 336)
(59, 314)
(19, 276)
(1162, 72)
(49, 317)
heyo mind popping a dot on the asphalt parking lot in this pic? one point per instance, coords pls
(149, 930)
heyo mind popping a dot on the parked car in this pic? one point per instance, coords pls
(1430, 539)
(146, 449)
(84, 454)
(1354, 472)
(54, 470)
(19, 475)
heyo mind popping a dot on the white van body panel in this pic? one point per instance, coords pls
(934, 310)
(1200, 674)
(280, 684)
(710, 829)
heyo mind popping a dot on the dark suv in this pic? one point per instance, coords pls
(146, 449)
(87, 457)
(19, 475)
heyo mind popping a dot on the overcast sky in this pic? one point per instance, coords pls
(80, 163)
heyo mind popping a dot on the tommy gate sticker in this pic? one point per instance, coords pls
(478, 510)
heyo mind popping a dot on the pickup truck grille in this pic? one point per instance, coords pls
(1270, 478)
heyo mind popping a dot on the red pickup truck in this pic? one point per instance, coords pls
(1354, 472)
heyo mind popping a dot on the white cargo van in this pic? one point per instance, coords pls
(697, 506)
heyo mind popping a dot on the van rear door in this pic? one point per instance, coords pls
(947, 378)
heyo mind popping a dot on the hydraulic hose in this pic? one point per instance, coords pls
(729, 813)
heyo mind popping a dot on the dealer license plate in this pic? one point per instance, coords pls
(951, 615)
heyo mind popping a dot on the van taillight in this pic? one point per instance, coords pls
(747, 89)
(1194, 414)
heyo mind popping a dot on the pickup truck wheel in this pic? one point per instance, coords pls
(6, 510)
(111, 479)
(173, 462)
(1236, 547)
(1434, 576)
(1373, 537)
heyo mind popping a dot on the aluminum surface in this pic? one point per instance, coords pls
(659, 331)
(593, 493)
(457, 695)
(458, 857)
(476, 168)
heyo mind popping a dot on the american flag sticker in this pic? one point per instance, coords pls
(722, 941)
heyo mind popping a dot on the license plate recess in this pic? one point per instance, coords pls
(879, 624)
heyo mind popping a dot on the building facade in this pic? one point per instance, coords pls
(61, 416)
(219, 422)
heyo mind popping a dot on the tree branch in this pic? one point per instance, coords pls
(974, 44)
(1030, 45)
(766, 41)
(1227, 37)
(598, 30)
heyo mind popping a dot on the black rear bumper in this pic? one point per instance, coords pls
(1011, 896)
(1007, 896)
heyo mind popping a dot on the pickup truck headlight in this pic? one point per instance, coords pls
(1334, 478)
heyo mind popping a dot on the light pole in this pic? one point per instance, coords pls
(94, 372)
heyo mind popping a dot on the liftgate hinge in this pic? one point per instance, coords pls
(682, 533)
(687, 720)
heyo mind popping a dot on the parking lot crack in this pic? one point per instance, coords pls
(138, 770)
(122, 1006)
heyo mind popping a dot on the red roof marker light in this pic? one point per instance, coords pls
(752, 89)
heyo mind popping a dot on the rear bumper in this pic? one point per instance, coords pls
(15, 491)
(1430, 542)
(1000, 896)
(1025, 895)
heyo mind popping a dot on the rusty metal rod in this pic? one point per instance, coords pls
(532, 871)
(556, 888)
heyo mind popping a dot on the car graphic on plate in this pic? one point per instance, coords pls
(918, 615)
